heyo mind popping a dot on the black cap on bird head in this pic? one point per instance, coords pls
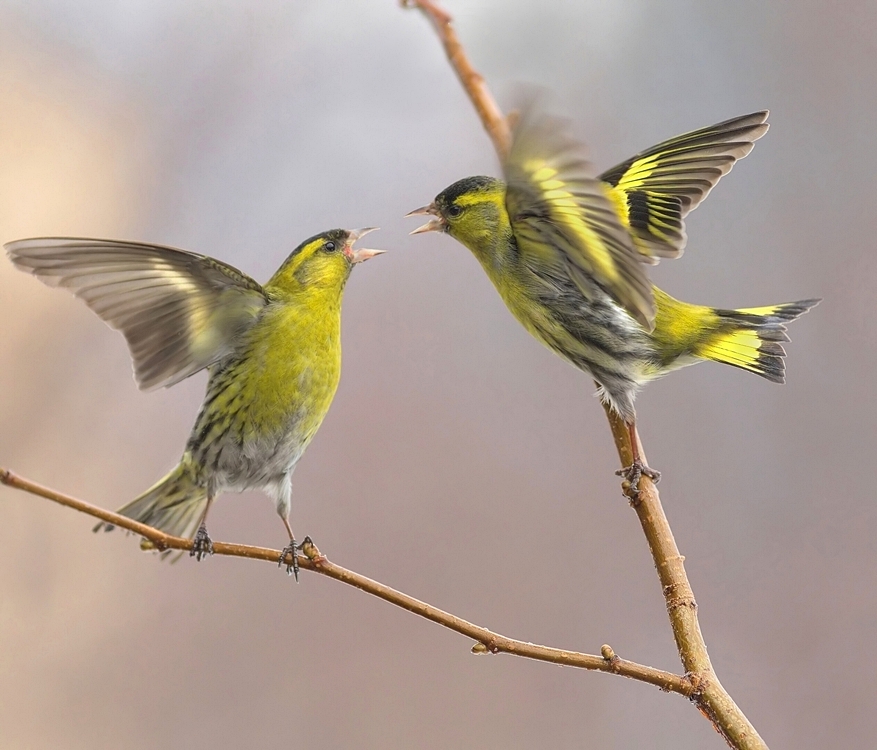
(465, 186)
(443, 205)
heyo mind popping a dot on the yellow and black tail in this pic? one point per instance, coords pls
(173, 505)
(752, 338)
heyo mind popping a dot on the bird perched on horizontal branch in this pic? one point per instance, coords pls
(273, 354)
(566, 249)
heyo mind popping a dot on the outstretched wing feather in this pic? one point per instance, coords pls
(654, 190)
(179, 311)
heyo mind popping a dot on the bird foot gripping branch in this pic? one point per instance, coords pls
(290, 551)
(632, 475)
(202, 544)
(290, 555)
(637, 469)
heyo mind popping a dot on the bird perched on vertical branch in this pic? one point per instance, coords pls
(273, 354)
(566, 249)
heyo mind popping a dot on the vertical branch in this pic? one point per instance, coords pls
(708, 694)
(669, 563)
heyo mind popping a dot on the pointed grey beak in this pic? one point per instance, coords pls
(433, 225)
(360, 254)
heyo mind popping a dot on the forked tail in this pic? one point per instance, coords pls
(752, 338)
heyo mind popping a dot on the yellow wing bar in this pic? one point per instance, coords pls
(654, 190)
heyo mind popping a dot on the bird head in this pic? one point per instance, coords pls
(471, 210)
(325, 259)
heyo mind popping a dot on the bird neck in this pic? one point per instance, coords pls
(311, 300)
(488, 233)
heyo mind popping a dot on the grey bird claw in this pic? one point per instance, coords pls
(634, 473)
(202, 544)
(290, 549)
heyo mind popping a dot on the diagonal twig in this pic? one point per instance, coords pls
(473, 82)
(486, 640)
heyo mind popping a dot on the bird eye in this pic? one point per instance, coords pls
(454, 210)
(329, 247)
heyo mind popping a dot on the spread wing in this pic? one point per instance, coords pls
(179, 311)
(563, 219)
(654, 190)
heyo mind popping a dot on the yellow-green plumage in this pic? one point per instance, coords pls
(565, 249)
(273, 354)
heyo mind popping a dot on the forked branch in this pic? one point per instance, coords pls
(709, 695)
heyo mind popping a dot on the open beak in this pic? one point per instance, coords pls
(360, 254)
(433, 225)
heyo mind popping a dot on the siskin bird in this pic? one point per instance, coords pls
(273, 354)
(566, 250)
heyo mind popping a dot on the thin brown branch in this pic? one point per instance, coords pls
(473, 82)
(709, 695)
(486, 640)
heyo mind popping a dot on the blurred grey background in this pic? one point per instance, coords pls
(455, 442)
